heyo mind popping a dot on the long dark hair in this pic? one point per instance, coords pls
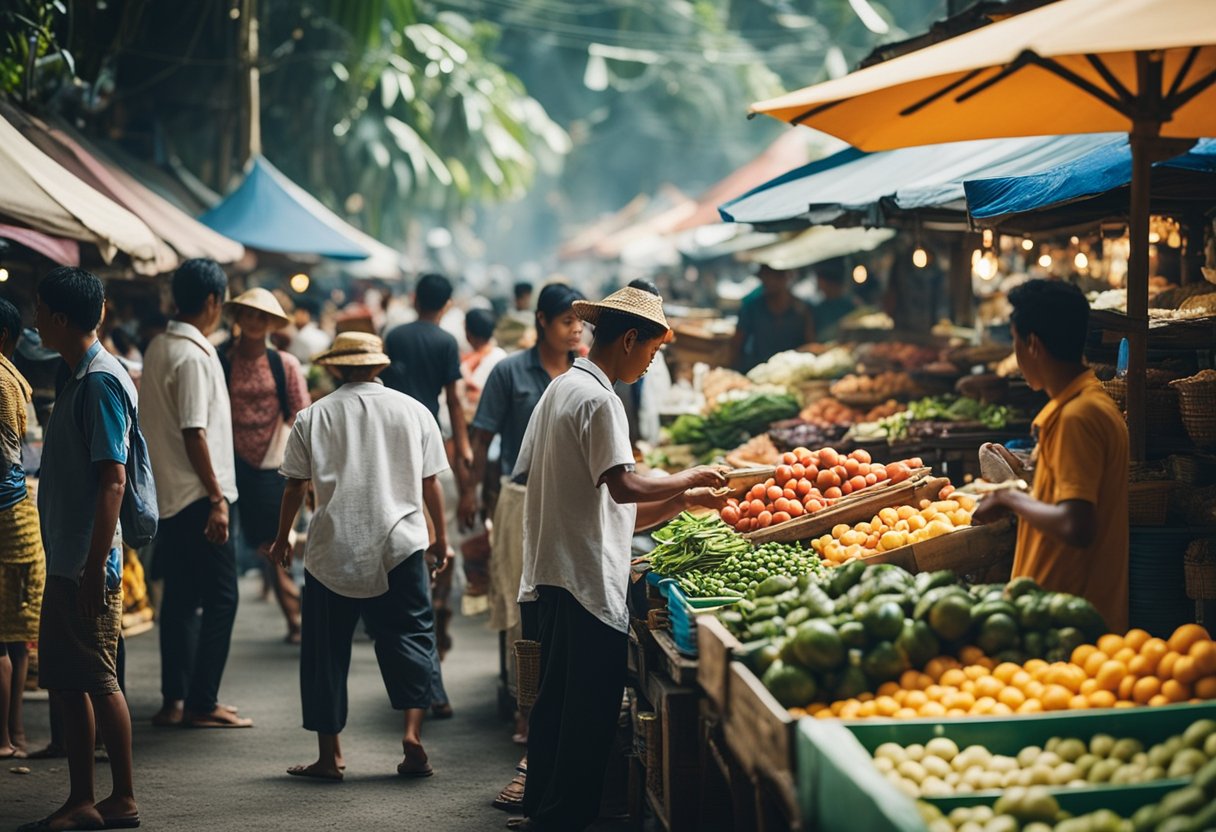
(554, 300)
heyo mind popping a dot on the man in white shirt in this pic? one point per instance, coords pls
(187, 421)
(373, 456)
(583, 505)
(309, 339)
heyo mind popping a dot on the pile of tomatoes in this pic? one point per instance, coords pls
(808, 481)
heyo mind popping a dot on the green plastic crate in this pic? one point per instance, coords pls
(1122, 800)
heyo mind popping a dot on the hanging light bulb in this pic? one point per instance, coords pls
(1154, 237)
(985, 269)
(3, 275)
(987, 238)
(920, 257)
(299, 283)
(1027, 244)
(860, 275)
(976, 256)
(1081, 261)
(1074, 240)
(1045, 261)
(1174, 240)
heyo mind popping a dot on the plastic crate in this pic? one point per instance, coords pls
(683, 611)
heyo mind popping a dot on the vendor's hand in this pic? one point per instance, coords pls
(990, 508)
(437, 556)
(707, 476)
(91, 596)
(705, 498)
(466, 513)
(280, 552)
(216, 530)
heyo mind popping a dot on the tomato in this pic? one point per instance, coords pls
(789, 457)
(745, 525)
(804, 487)
(796, 509)
(790, 492)
(833, 493)
(812, 471)
(781, 517)
(841, 473)
(756, 508)
(828, 457)
(730, 515)
(846, 488)
(757, 492)
(879, 471)
(813, 506)
(801, 451)
(765, 519)
(852, 467)
(898, 472)
(773, 492)
(862, 455)
(783, 474)
(871, 479)
(825, 479)
(781, 504)
(797, 471)
(807, 460)
(858, 482)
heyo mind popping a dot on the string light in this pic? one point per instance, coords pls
(860, 275)
(1174, 240)
(1154, 237)
(1027, 244)
(920, 258)
(987, 238)
(1081, 261)
(1045, 261)
(985, 269)
(299, 283)
(976, 256)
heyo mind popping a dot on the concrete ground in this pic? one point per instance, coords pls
(234, 779)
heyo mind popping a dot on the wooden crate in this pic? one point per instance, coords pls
(759, 731)
(690, 347)
(855, 508)
(776, 802)
(975, 551)
(715, 651)
(680, 757)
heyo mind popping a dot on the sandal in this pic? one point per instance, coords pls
(511, 798)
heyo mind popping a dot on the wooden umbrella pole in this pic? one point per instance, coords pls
(1137, 290)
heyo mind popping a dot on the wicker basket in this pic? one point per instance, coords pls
(1199, 565)
(1148, 502)
(1116, 388)
(527, 672)
(1161, 407)
(1197, 403)
(1192, 470)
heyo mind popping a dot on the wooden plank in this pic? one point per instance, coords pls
(681, 669)
(968, 550)
(758, 730)
(715, 651)
(858, 506)
(776, 802)
(740, 480)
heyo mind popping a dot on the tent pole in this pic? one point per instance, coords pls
(1137, 288)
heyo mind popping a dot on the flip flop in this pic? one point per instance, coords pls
(45, 825)
(127, 822)
(218, 723)
(311, 776)
(511, 797)
(419, 773)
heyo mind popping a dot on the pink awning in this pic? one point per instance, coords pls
(64, 252)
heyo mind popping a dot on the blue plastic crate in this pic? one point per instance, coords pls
(683, 611)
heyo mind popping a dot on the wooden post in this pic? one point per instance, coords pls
(251, 102)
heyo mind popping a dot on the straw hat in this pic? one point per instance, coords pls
(354, 349)
(631, 301)
(263, 301)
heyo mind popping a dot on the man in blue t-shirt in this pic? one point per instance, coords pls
(80, 492)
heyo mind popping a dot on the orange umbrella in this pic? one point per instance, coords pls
(1075, 66)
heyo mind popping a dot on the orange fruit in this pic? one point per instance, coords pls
(968, 687)
(915, 699)
(1094, 663)
(1033, 665)
(1001, 709)
(900, 696)
(888, 688)
(970, 654)
(906, 713)
(1175, 691)
(1154, 648)
(826, 713)
(851, 709)
(1034, 690)
(932, 709)
(1021, 679)
(936, 692)
(975, 671)
(1111, 674)
(1159, 699)
(1126, 686)
(1011, 697)
(953, 677)
(865, 697)
(1005, 671)
(955, 712)
(868, 709)
(1030, 706)
(988, 686)
(1081, 653)
(983, 705)
(908, 680)
(1089, 686)
(987, 663)
(1145, 689)
(886, 706)
(1102, 699)
(1125, 655)
(1185, 670)
(1041, 674)
(1110, 644)
(1141, 666)
(1122, 704)
(1165, 669)
(1205, 688)
(923, 680)
(815, 708)
(1187, 635)
(1056, 698)
(1204, 654)
(1136, 639)
(1079, 703)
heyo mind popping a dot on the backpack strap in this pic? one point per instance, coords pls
(279, 373)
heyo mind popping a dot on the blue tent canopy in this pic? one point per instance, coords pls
(857, 188)
(1096, 174)
(271, 213)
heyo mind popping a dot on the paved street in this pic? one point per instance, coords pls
(228, 780)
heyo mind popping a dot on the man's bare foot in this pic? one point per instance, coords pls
(169, 716)
(8, 752)
(73, 816)
(118, 812)
(220, 717)
(320, 770)
(415, 763)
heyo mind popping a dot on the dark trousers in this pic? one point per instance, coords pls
(199, 576)
(573, 722)
(402, 627)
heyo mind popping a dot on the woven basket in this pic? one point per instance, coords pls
(1148, 502)
(1116, 388)
(1161, 408)
(1197, 403)
(527, 673)
(1199, 565)
(1192, 470)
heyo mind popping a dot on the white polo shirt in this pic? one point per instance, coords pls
(366, 449)
(575, 535)
(183, 387)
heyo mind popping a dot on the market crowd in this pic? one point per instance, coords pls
(365, 457)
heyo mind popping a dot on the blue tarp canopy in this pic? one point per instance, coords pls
(875, 189)
(271, 213)
(1093, 187)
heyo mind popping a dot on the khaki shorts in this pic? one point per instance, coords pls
(74, 652)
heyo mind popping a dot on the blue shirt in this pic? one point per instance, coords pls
(88, 424)
(511, 394)
(766, 334)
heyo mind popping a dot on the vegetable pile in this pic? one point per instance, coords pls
(892, 528)
(939, 768)
(792, 367)
(769, 570)
(808, 481)
(732, 422)
(689, 542)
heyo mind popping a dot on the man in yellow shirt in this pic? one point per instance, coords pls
(1073, 531)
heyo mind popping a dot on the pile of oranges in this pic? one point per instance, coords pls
(808, 481)
(1117, 672)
